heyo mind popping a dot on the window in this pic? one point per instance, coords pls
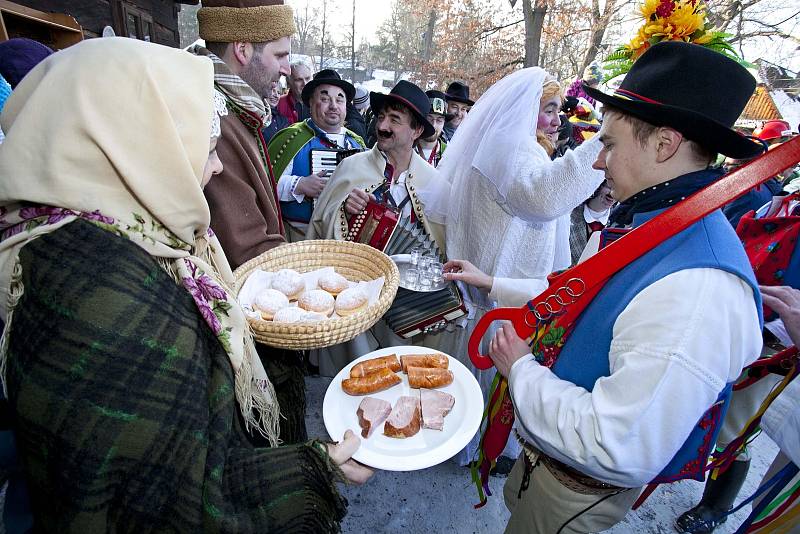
(136, 24)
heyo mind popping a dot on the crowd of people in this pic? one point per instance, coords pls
(136, 178)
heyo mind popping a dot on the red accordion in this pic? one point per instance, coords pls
(374, 225)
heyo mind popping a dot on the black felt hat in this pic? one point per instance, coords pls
(410, 96)
(438, 108)
(692, 89)
(327, 77)
(459, 92)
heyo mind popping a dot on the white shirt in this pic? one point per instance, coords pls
(781, 421)
(590, 216)
(399, 193)
(674, 347)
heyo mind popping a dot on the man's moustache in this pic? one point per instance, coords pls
(384, 134)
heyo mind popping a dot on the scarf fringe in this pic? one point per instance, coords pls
(256, 398)
(15, 291)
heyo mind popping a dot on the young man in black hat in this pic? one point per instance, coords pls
(432, 148)
(458, 104)
(633, 394)
(292, 148)
(391, 172)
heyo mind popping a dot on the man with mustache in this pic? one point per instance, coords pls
(391, 172)
(291, 149)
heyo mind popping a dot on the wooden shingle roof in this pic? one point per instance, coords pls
(760, 107)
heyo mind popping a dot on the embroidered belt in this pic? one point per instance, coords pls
(570, 478)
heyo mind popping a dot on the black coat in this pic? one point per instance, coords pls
(354, 121)
(279, 122)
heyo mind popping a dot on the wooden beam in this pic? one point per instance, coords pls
(56, 20)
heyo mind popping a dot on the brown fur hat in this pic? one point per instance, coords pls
(249, 21)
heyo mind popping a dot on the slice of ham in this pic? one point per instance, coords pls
(371, 413)
(405, 420)
(435, 406)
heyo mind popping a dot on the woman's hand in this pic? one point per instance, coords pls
(786, 303)
(464, 271)
(342, 453)
(506, 347)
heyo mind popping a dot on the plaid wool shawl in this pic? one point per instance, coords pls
(125, 413)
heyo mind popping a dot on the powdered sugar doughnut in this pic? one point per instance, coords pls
(314, 317)
(333, 282)
(291, 314)
(268, 302)
(351, 300)
(316, 300)
(289, 282)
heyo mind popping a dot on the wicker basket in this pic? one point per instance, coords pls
(354, 261)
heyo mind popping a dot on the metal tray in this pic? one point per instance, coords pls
(403, 262)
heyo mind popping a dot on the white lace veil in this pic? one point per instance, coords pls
(499, 129)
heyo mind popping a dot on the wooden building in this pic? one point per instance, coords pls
(48, 21)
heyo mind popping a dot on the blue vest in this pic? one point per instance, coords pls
(301, 166)
(709, 243)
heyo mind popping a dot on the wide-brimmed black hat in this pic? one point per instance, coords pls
(410, 96)
(692, 89)
(327, 77)
(459, 92)
(438, 104)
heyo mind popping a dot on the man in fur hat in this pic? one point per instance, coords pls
(249, 43)
(635, 393)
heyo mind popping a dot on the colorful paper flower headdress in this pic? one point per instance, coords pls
(669, 20)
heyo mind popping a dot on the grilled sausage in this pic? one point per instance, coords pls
(381, 379)
(423, 360)
(429, 377)
(366, 367)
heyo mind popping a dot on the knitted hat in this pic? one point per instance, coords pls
(361, 100)
(249, 21)
(18, 56)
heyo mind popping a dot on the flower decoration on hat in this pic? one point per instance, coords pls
(669, 20)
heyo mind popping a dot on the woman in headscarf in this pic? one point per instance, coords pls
(505, 204)
(126, 360)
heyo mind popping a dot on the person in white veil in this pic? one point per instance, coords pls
(505, 205)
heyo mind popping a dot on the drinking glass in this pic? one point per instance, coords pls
(425, 280)
(436, 272)
(412, 276)
(416, 256)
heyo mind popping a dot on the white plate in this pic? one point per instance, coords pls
(428, 447)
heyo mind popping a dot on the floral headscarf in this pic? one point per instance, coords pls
(116, 132)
